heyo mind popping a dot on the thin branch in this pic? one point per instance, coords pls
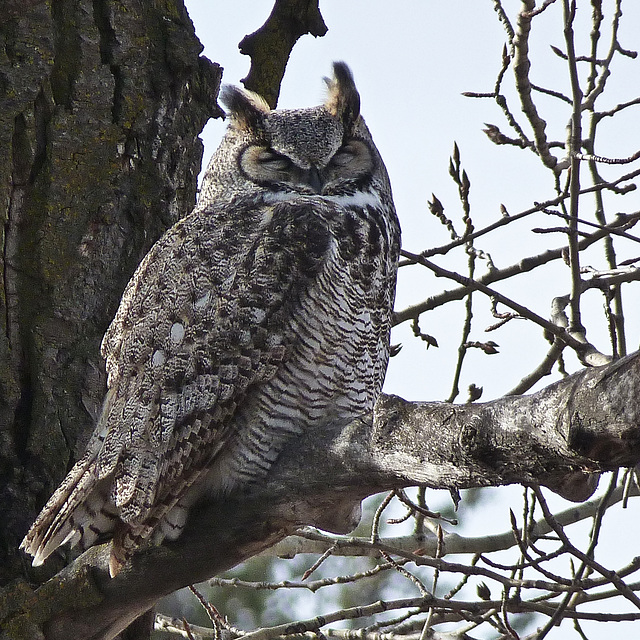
(553, 94)
(573, 146)
(524, 266)
(307, 585)
(612, 576)
(313, 541)
(605, 71)
(535, 12)
(603, 160)
(598, 115)
(522, 66)
(585, 351)
(505, 220)
(542, 370)
(611, 231)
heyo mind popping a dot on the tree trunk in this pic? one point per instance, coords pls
(101, 106)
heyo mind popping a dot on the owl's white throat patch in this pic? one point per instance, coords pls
(357, 199)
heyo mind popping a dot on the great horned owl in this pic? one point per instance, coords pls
(263, 313)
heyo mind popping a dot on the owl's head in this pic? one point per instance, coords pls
(324, 150)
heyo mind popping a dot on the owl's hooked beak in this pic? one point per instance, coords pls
(314, 179)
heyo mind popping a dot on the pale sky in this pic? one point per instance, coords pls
(411, 61)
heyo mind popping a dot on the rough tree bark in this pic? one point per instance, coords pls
(101, 106)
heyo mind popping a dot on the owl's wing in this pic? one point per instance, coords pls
(200, 324)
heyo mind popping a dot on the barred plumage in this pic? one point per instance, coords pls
(263, 313)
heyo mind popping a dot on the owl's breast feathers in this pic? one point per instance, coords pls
(215, 314)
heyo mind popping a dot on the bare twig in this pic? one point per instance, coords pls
(585, 351)
(593, 158)
(522, 66)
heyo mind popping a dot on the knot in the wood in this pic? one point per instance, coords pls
(475, 441)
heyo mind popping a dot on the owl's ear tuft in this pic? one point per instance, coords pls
(247, 109)
(343, 100)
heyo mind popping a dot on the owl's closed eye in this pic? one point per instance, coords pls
(264, 165)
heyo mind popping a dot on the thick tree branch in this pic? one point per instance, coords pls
(559, 437)
(270, 46)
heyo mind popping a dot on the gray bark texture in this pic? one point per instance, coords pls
(101, 106)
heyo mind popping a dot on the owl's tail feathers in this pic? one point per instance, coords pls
(78, 512)
(166, 522)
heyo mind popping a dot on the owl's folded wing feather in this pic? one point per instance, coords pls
(200, 323)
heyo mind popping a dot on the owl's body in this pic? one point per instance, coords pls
(263, 313)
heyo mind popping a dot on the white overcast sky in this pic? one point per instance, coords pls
(412, 59)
